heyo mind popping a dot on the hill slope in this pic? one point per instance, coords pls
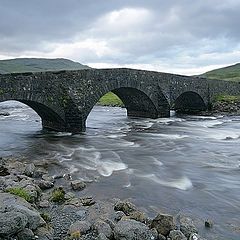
(231, 73)
(38, 65)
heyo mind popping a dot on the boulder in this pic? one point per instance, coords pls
(78, 185)
(177, 235)
(102, 227)
(43, 184)
(11, 223)
(29, 170)
(16, 206)
(208, 223)
(132, 230)
(187, 226)
(125, 206)
(164, 223)
(26, 234)
(80, 226)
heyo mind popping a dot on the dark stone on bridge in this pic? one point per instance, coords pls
(64, 99)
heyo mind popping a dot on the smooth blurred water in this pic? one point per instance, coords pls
(187, 164)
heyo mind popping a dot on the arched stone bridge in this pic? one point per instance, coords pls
(64, 99)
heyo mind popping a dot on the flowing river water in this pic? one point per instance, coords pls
(187, 164)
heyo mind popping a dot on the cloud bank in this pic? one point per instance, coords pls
(186, 37)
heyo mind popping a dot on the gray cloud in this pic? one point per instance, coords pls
(179, 34)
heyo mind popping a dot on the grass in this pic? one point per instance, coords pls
(20, 192)
(110, 99)
(230, 73)
(58, 195)
(38, 65)
(227, 98)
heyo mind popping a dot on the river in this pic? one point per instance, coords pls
(187, 164)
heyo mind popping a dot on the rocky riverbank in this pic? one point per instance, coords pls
(35, 205)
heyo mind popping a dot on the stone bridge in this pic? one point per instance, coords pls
(64, 99)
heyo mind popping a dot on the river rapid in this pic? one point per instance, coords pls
(187, 164)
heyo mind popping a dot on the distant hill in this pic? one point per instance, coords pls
(230, 73)
(38, 65)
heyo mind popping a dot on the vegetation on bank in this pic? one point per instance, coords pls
(20, 192)
(230, 73)
(227, 98)
(110, 99)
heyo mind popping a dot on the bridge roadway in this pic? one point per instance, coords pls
(64, 99)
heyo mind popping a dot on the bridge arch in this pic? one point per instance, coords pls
(189, 102)
(49, 117)
(138, 101)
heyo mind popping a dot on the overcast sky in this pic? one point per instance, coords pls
(178, 36)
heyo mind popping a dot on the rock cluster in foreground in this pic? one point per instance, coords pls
(34, 206)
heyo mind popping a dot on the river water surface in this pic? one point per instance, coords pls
(188, 165)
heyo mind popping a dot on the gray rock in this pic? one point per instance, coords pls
(87, 201)
(208, 223)
(48, 178)
(102, 227)
(125, 206)
(195, 236)
(177, 235)
(119, 215)
(132, 230)
(101, 236)
(4, 171)
(26, 234)
(44, 233)
(44, 184)
(138, 216)
(13, 205)
(161, 237)
(44, 204)
(164, 223)
(78, 185)
(11, 223)
(82, 226)
(29, 170)
(187, 226)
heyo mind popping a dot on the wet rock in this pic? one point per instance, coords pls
(187, 226)
(87, 201)
(125, 206)
(164, 223)
(48, 178)
(11, 223)
(78, 185)
(132, 230)
(177, 235)
(195, 236)
(26, 234)
(29, 170)
(102, 227)
(4, 171)
(80, 226)
(138, 216)
(44, 184)
(208, 223)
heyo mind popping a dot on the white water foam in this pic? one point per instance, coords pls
(182, 183)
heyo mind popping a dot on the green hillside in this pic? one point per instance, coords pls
(38, 65)
(230, 73)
